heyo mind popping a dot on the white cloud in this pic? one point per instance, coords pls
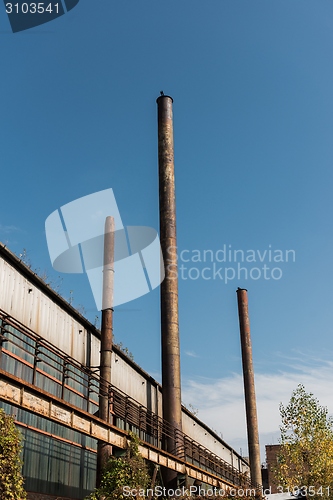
(221, 401)
(192, 354)
(9, 229)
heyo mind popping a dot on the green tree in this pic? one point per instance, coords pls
(130, 470)
(11, 480)
(306, 455)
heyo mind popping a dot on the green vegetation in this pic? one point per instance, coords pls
(130, 470)
(306, 457)
(125, 350)
(11, 480)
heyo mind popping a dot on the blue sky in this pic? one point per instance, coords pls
(252, 87)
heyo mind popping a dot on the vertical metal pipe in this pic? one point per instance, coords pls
(249, 388)
(104, 450)
(169, 288)
(2, 326)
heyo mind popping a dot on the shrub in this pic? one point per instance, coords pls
(11, 480)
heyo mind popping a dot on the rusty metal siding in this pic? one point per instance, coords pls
(29, 305)
(208, 439)
(128, 380)
(203, 436)
(95, 352)
(6, 282)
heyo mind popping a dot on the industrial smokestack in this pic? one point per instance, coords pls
(104, 450)
(249, 389)
(172, 412)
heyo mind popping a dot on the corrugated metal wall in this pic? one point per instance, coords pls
(31, 306)
(202, 435)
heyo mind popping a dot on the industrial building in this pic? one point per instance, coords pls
(48, 380)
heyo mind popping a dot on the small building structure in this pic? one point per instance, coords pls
(272, 452)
